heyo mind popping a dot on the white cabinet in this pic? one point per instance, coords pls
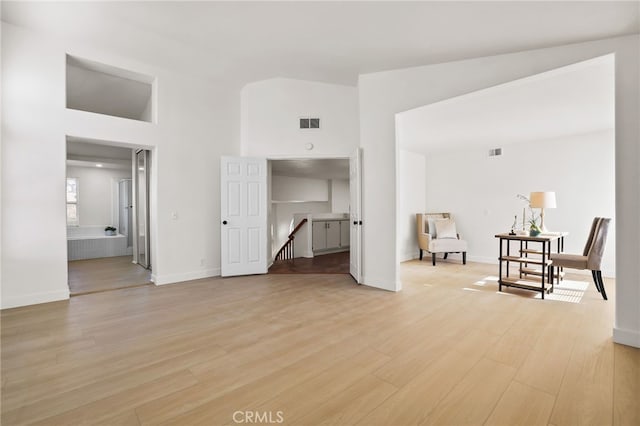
(319, 236)
(333, 234)
(330, 234)
(345, 233)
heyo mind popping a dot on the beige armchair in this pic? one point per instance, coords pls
(591, 257)
(447, 242)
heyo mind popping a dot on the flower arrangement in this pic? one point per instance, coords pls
(534, 228)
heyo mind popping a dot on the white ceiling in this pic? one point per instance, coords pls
(309, 168)
(87, 153)
(81, 147)
(571, 100)
(240, 42)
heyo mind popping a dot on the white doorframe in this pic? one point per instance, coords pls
(152, 189)
(357, 242)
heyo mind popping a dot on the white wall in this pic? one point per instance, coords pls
(295, 195)
(284, 215)
(96, 194)
(270, 113)
(411, 200)
(340, 196)
(481, 194)
(285, 188)
(384, 94)
(303, 195)
(197, 123)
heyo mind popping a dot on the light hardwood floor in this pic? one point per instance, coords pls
(318, 349)
(104, 274)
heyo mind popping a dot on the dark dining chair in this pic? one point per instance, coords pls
(591, 257)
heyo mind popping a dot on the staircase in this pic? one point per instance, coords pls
(286, 252)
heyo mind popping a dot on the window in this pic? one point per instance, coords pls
(72, 201)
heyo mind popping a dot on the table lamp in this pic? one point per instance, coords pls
(543, 200)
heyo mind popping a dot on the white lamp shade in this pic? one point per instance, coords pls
(543, 200)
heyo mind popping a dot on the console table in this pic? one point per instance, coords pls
(535, 268)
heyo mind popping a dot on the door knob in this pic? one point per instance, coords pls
(224, 222)
(355, 222)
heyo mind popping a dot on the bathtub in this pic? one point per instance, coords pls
(90, 242)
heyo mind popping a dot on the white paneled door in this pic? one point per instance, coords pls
(243, 216)
(355, 215)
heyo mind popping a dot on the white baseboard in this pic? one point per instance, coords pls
(186, 276)
(406, 256)
(482, 259)
(626, 337)
(34, 298)
(330, 251)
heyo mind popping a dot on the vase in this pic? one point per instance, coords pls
(534, 232)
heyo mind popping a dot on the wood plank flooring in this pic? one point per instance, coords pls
(104, 274)
(319, 349)
(333, 263)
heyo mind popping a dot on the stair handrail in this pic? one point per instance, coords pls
(286, 251)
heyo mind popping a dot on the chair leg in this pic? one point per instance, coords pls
(420, 254)
(464, 257)
(595, 281)
(445, 255)
(433, 259)
(604, 293)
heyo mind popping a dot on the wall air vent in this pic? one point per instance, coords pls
(495, 152)
(309, 123)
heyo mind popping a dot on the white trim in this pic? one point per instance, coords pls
(34, 298)
(404, 257)
(186, 276)
(626, 337)
(308, 157)
(330, 251)
(482, 259)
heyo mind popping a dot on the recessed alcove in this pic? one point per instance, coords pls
(104, 89)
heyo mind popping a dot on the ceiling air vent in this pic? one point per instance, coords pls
(495, 152)
(309, 123)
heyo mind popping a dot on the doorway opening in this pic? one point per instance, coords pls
(472, 155)
(107, 205)
(309, 222)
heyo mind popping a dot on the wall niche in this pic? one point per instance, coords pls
(104, 89)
